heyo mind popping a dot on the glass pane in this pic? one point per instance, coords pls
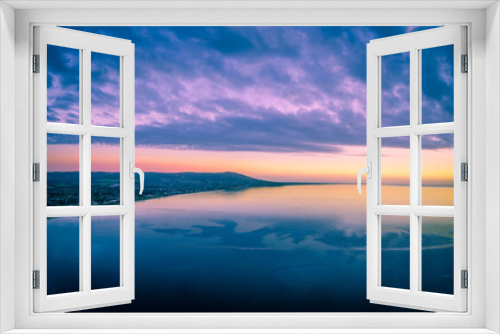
(63, 165)
(105, 90)
(437, 169)
(105, 257)
(395, 251)
(105, 171)
(63, 85)
(437, 84)
(63, 255)
(395, 171)
(395, 89)
(437, 254)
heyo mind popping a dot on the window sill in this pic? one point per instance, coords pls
(250, 331)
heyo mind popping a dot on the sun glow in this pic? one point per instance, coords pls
(338, 167)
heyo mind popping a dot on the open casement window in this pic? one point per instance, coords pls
(414, 225)
(75, 210)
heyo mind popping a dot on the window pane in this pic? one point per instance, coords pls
(437, 84)
(437, 169)
(395, 251)
(105, 171)
(105, 90)
(63, 85)
(437, 254)
(105, 257)
(63, 255)
(395, 89)
(63, 165)
(395, 171)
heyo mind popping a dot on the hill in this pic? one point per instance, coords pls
(63, 187)
(169, 184)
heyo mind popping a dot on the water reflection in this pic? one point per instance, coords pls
(287, 249)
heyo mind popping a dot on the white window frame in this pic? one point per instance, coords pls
(85, 44)
(483, 213)
(414, 43)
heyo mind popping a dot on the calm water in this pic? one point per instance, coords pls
(286, 249)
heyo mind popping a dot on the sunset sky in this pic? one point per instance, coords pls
(276, 103)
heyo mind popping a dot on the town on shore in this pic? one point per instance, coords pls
(63, 187)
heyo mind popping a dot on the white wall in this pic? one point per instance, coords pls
(7, 160)
(492, 166)
(305, 17)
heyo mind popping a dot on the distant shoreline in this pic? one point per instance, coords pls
(63, 187)
(283, 183)
(140, 198)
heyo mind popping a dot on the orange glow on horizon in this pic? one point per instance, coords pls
(437, 166)
(287, 166)
(337, 167)
(63, 158)
(105, 158)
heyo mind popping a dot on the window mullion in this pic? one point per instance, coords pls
(414, 170)
(394, 131)
(85, 159)
(434, 129)
(85, 171)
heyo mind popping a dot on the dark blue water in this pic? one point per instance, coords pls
(289, 249)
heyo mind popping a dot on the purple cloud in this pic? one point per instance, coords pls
(252, 88)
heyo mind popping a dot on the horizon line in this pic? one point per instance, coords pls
(447, 185)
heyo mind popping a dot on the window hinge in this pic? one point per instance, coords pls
(36, 172)
(36, 63)
(465, 279)
(464, 171)
(465, 64)
(36, 279)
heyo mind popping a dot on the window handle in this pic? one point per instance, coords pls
(141, 175)
(368, 171)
